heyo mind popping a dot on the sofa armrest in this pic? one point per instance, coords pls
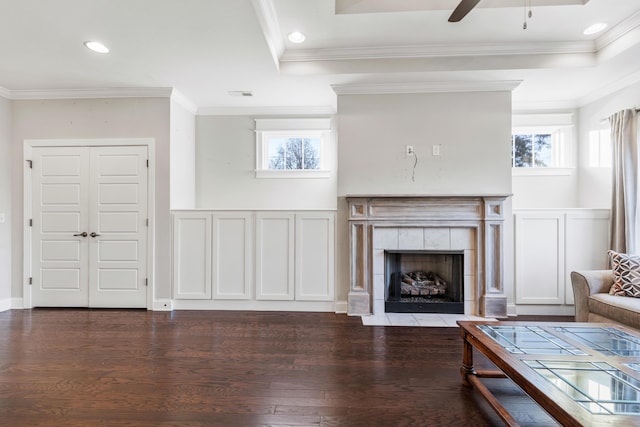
(585, 283)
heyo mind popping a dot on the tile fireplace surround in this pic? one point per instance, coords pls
(472, 224)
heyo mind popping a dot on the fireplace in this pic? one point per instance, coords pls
(424, 281)
(467, 224)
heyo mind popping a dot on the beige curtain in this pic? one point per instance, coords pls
(625, 212)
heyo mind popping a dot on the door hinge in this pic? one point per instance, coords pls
(146, 282)
(30, 164)
(30, 222)
(31, 280)
(147, 162)
(147, 222)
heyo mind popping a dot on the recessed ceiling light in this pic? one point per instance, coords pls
(296, 37)
(96, 47)
(595, 28)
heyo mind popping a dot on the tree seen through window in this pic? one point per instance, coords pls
(294, 153)
(531, 150)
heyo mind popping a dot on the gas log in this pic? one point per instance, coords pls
(420, 283)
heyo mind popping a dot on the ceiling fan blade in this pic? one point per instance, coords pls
(463, 8)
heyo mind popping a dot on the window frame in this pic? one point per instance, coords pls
(561, 127)
(314, 128)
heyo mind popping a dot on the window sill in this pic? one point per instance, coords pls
(265, 173)
(542, 171)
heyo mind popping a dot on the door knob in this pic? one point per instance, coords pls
(94, 234)
(83, 234)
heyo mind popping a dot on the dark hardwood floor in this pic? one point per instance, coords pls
(201, 368)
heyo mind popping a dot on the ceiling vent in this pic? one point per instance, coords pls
(240, 93)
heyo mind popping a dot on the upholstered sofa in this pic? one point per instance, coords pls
(593, 302)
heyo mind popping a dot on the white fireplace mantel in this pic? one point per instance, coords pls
(473, 223)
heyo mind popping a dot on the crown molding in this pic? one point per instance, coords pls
(426, 87)
(375, 6)
(179, 98)
(133, 92)
(268, 19)
(609, 89)
(438, 50)
(528, 106)
(615, 33)
(267, 111)
(5, 93)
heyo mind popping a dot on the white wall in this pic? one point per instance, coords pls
(182, 157)
(545, 191)
(473, 129)
(594, 189)
(5, 203)
(95, 118)
(225, 172)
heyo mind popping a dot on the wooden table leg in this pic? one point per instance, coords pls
(467, 361)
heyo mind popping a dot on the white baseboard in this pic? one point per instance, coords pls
(545, 310)
(5, 304)
(342, 307)
(512, 310)
(163, 305)
(254, 305)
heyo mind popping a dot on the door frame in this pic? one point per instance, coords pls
(27, 208)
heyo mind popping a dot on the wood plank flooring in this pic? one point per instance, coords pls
(64, 367)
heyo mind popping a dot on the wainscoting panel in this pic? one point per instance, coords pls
(315, 257)
(254, 260)
(275, 256)
(587, 241)
(192, 255)
(550, 244)
(540, 257)
(232, 273)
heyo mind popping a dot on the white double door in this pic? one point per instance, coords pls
(89, 230)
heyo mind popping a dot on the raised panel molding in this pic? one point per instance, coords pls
(232, 273)
(315, 257)
(549, 245)
(275, 256)
(254, 260)
(192, 255)
(539, 258)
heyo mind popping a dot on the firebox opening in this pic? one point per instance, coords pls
(424, 281)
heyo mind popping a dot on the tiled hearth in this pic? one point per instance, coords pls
(428, 320)
(471, 224)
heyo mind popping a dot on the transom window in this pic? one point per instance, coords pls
(294, 151)
(532, 150)
(541, 142)
(292, 148)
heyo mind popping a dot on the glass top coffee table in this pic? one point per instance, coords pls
(582, 374)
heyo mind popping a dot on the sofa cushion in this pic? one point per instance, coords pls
(626, 274)
(625, 310)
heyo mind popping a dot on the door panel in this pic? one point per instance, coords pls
(101, 191)
(59, 201)
(118, 213)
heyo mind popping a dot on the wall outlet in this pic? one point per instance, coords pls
(408, 150)
(435, 150)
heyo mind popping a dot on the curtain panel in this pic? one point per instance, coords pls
(625, 208)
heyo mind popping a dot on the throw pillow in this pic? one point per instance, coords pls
(626, 274)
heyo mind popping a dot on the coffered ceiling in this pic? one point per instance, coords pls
(206, 49)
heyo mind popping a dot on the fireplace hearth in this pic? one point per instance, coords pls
(424, 281)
